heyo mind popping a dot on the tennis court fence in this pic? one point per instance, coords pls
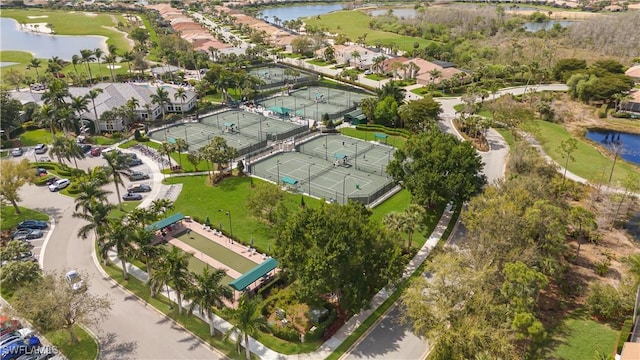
(369, 198)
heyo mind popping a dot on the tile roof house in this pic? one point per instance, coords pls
(634, 72)
(115, 95)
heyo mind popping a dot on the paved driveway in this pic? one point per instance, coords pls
(134, 330)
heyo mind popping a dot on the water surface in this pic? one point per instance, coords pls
(294, 12)
(629, 144)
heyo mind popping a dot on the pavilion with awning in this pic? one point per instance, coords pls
(250, 277)
(159, 225)
(280, 110)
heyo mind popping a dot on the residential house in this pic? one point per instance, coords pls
(634, 72)
(115, 95)
(363, 59)
(633, 103)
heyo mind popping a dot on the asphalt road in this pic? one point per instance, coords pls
(133, 330)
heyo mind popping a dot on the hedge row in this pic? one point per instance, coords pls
(383, 129)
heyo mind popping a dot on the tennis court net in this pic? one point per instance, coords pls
(319, 173)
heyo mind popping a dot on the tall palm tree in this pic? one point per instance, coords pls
(141, 217)
(92, 95)
(110, 59)
(116, 163)
(152, 253)
(181, 94)
(128, 57)
(160, 207)
(59, 149)
(46, 116)
(119, 237)
(414, 216)
(166, 149)
(180, 146)
(97, 175)
(74, 150)
(35, 63)
(209, 292)
(248, 321)
(99, 54)
(79, 104)
(97, 217)
(90, 193)
(75, 60)
(112, 49)
(87, 57)
(161, 97)
(174, 270)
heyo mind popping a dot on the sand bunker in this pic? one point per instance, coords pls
(38, 17)
(37, 27)
(91, 14)
(113, 67)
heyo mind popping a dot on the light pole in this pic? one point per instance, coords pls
(356, 157)
(228, 213)
(278, 172)
(344, 181)
(326, 146)
(309, 178)
(261, 128)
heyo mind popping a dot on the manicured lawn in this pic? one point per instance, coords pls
(355, 23)
(422, 91)
(580, 338)
(10, 219)
(376, 77)
(34, 137)
(507, 135)
(220, 253)
(85, 348)
(318, 62)
(393, 140)
(198, 199)
(127, 206)
(589, 162)
(72, 23)
(103, 140)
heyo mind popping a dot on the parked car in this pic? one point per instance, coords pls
(40, 148)
(8, 325)
(59, 185)
(27, 234)
(41, 172)
(51, 180)
(133, 162)
(131, 197)
(137, 175)
(95, 151)
(17, 348)
(85, 148)
(16, 152)
(74, 280)
(44, 159)
(109, 150)
(33, 224)
(137, 188)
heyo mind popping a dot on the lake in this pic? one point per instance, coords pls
(45, 46)
(536, 26)
(294, 12)
(407, 13)
(608, 138)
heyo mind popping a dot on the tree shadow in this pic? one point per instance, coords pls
(111, 348)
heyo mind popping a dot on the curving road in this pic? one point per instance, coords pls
(389, 338)
(134, 330)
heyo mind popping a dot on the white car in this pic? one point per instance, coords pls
(59, 185)
(74, 280)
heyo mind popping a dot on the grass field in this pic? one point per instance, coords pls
(85, 348)
(34, 137)
(393, 140)
(579, 338)
(507, 135)
(10, 219)
(354, 24)
(74, 23)
(589, 162)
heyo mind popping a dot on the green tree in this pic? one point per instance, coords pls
(93, 95)
(180, 146)
(194, 158)
(173, 269)
(119, 237)
(437, 167)
(13, 175)
(116, 162)
(566, 149)
(74, 150)
(263, 200)
(53, 305)
(337, 249)
(35, 64)
(209, 292)
(161, 98)
(386, 112)
(18, 274)
(9, 112)
(392, 89)
(420, 115)
(181, 94)
(87, 56)
(248, 321)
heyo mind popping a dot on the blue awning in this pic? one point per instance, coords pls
(229, 124)
(254, 274)
(381, 136)
(164, 222)
(340, 156)
(288, 180)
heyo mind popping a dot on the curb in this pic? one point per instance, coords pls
(43, 248)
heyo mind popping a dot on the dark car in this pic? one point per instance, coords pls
(131, 197)
(33, 224)
(8, 325)
(133, 162)
(139, 188)
(96, 151)
(51, 180)
(85, 148)
(137, 175)
(41, 172)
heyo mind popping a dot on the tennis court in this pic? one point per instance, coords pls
(314, 101)
(246, 131)
(276, 75)
(330, 171)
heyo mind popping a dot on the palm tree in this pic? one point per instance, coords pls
(174, 270)
(180, 146)
(208, 292)
(110, 59)
(46, 116)
(79, 104)
(116, 163)
(99, 55)
(152, 254)
(248, 321)
(181, 94)
(414, 219)
(161, 97)
(395, 221)
(97, 175)
(128, 57)
(90, 192)
(160, 207)
(59, 149)
(166, 149)
(35, 63)
(119, 237)
(75, 60)
(97, 217)
(92, 95)
(112, 49)
(74, 150)
(435, 75)
(391, 89)
(87, 56)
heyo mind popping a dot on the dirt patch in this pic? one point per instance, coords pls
(577, 117)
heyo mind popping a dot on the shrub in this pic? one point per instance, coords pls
(287, 333)
(29, 125)
(7, 144)
(625, 331)
(602, 267)
(318, 332)
(73, 189)
(602, 113)
(605, 302)
(621, 115)
(137, 135)
(42, 180)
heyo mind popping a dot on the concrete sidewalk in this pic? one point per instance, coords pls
(345, 331)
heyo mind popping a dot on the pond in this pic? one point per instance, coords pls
(407, 13)
(548, 25)
(293, 12)
(5, 63)
(45, 46)
(630, 143)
